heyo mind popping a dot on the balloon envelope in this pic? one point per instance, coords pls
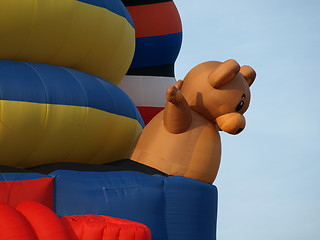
(56, 114)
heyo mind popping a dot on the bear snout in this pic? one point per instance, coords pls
(232, 123)
(239, 130)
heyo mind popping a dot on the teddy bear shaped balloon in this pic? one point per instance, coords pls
(184, 138)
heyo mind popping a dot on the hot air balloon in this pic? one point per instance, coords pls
(66, 128)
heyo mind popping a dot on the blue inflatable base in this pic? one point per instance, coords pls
(174, 208)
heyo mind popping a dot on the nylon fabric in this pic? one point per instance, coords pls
(59, 32)
(47, 133)
(45, 223)
(115, 6)
(156, 19)
(13, 225)
(105, 227)
(149, 47)
(174, 208)
(147, 90)
(163, 70)
(43, 83)
(40, 190)
(56, 114)
(148, 113)
(142, 2)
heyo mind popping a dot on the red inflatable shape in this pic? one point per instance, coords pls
(38, 190)
(94, 227)
(46, 224)
(13, 225)
(34, 221)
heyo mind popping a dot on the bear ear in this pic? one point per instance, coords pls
(224, 73)
(248, 73)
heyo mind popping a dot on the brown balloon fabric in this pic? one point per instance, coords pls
(184, 138)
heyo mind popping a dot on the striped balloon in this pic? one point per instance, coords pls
(158, 41)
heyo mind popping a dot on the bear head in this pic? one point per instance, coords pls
(219, 91)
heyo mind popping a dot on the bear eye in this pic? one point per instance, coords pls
(240, 106)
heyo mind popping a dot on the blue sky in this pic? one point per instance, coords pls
(269, 178)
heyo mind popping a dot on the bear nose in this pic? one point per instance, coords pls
(232, 123)
(239, 130)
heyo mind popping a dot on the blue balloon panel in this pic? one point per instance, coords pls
(44, 83)
(156, 50)
(174, 208)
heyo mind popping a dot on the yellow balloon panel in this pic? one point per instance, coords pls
(68, 33)
(33, 134)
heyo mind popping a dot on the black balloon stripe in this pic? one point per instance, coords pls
(142, 2)
(163, 70)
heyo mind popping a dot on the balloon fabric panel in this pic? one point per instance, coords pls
(114, 6)
(153, 51)
(143, 2)
(13, 225)
(104, 227)
(55, 114)
(32, 221)
(174, 208)
(18, 189)
(45, 223)
(155, 19)
(46, 133)
(43, 83)
(59, 32)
